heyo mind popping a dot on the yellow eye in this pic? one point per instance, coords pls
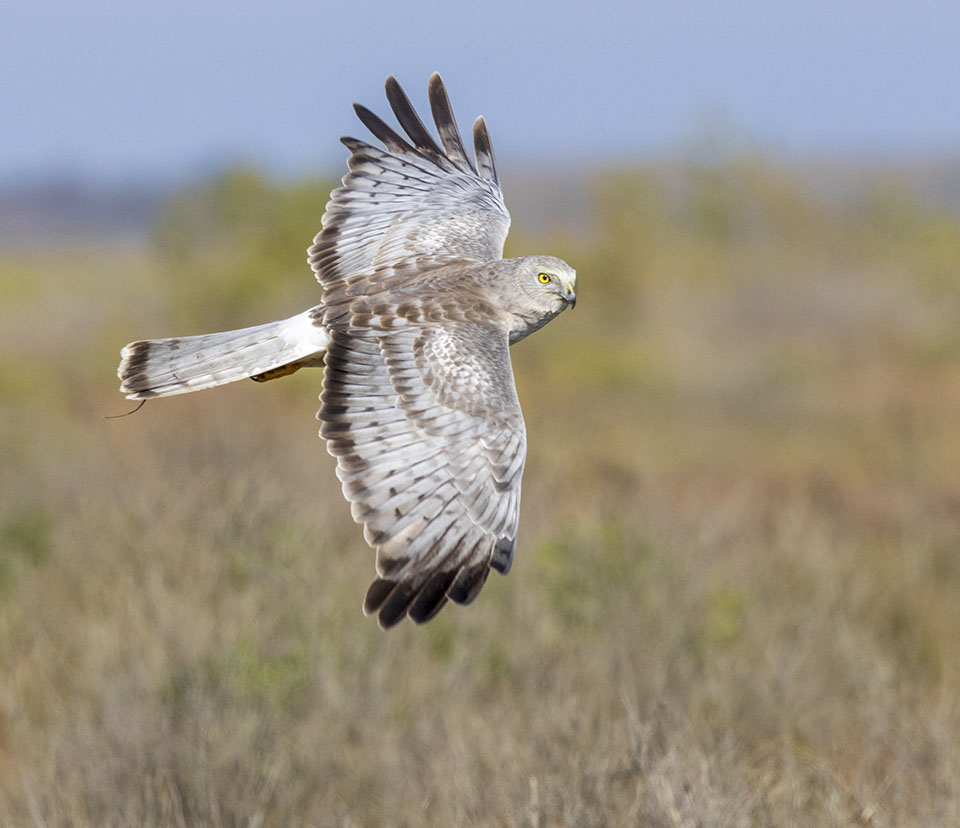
(544, 278)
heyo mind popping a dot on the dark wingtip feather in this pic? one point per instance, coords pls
(468, 584)
(378, 592)
(483, 151)
(502, 558)
(432, 596)
(408, 118)
(390, 600)
(446, 122)
(381, 130)
(396, 605)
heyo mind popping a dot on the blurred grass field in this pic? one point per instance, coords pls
(736, 599)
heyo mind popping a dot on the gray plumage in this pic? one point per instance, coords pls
(419, 309)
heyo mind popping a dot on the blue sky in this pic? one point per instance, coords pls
(119, 88)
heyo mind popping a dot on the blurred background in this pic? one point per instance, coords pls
(736, 599)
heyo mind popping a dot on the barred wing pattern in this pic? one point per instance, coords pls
(420, 409)
(412, 198)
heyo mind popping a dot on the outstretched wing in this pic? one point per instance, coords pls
(413, 198)
(425, 424)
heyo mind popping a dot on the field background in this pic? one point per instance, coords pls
(736, 599)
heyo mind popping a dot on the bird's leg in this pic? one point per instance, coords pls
(312, 361)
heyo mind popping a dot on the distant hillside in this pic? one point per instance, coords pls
(67, 209)
(61, 210)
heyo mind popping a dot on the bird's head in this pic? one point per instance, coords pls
(551, 282)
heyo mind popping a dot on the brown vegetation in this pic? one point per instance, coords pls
(736, 599)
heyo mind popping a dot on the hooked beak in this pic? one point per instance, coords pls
(569, 296)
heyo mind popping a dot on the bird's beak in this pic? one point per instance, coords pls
(570, 296)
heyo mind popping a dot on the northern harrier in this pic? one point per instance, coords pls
(418, 311)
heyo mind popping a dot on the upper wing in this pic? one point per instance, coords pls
(412, 199)
(430, 444)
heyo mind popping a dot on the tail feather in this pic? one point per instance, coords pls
(162, 367)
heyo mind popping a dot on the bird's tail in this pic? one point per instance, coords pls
(161, 367)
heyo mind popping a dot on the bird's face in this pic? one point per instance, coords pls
(552, 282)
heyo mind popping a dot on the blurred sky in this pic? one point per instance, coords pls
(118, 89)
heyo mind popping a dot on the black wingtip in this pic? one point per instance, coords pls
(468, 584)
(408, 118)
(395, 608)
(377, 593)
(436, 87)
(483, 151)
(381, 130)
(390, 600)
(502, 558)
(432, 596)
(446, 123)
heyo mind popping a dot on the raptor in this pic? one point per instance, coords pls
(413, 330)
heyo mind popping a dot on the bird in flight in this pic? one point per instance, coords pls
(413, 330)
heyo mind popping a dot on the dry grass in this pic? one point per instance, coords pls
(737, 594)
